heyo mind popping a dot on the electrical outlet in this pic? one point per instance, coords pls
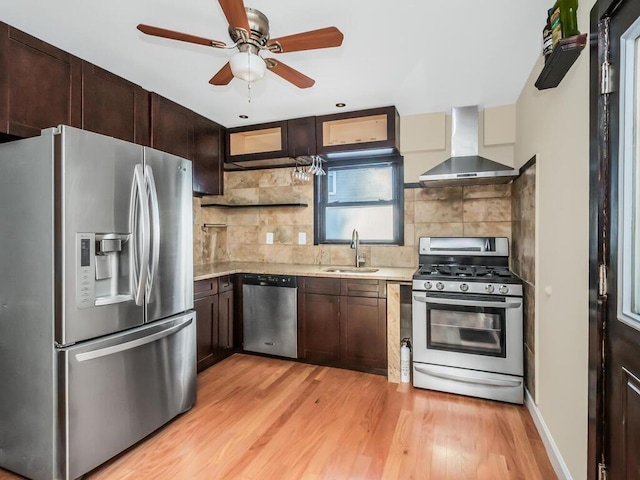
(302, 238)
(269, 238)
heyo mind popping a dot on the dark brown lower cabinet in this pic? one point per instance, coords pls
(340, 329)
(225, 326)
(213, 303)
(363, 332)
(319, 328)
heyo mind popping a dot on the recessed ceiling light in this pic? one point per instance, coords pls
(341, 105)
(244, 117)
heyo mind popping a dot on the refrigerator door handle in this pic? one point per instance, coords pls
(155, 225)
(130, 345)
(140, 226)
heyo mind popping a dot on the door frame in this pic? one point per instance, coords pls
(597, 309)
(600, 152)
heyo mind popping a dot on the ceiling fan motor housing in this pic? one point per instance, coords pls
(259, 35)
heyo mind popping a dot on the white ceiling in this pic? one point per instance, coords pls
(420, 55)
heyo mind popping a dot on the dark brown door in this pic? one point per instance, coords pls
(208, 159)
(615, 243)
(171, 127)
(39, 85)
(225, 326)
(206, 330)
(114, 106)
(363, 332)
(319, 318)
(301, 136)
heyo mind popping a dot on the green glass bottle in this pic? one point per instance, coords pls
(568, 16)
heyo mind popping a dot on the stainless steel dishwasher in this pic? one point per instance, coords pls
(270, 314)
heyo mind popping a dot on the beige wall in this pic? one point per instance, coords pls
(425, 139)
(553, 125)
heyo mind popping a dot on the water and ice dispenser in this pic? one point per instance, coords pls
(103, 273)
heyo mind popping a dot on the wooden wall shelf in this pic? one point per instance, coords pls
(564, 54)
(254, 205)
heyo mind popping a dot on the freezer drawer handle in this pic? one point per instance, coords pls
(103, 352)
(464, 379)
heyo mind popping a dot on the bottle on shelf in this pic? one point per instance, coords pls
(562, 22)
(566, 10)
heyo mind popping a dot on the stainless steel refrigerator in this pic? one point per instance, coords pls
(97, 331)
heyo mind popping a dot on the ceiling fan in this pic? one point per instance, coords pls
(249, 31)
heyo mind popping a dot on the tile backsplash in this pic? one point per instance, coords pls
(523, 261)
(448, 211)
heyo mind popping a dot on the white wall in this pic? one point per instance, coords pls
(553, 125)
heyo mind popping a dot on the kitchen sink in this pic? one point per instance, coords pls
(350, 270)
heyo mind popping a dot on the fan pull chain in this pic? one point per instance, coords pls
(249, 82)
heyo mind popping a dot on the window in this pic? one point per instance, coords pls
(365, 194)
(629, 180)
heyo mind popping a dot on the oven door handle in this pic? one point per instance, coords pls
(465, 379)
(467, 303)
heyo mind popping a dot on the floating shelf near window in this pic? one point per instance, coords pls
(564, 54)
(255, 205)
(214, 225)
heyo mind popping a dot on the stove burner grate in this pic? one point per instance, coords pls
(465, 271)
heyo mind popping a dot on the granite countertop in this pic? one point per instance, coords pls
(212, 270)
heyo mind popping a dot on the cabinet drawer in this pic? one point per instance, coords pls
(225, 284)
(204, 288)
(319, 285)
(358, 287)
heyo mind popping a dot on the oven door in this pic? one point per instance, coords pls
(478, 332)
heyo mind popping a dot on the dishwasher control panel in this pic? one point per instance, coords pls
(286, 281)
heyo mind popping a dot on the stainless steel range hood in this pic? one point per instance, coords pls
(466, 167)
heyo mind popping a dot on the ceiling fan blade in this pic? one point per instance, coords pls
(183, 37)
(223, 77)
(236, 14)
(289, 74)
(322, 38)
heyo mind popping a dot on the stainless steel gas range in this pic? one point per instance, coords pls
(467, 319)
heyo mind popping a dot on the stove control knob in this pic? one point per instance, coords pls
(427, 285)
(440, 285)
(464, 287)
(504, 289)
(489, 288)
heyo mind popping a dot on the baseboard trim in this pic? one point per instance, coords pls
(561, 469)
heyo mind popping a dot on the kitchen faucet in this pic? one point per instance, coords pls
(355, 243)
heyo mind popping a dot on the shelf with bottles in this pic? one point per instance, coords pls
(563, 56)
(562, 43)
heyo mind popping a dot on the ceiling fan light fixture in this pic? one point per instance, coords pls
(248, 66)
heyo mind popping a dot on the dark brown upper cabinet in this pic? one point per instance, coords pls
(171, 127)
(257, 142)
(208, 153)
(364, 130)
(270, 145)
(301, 136)
(177, 130)
(114, 106)
(40, 85)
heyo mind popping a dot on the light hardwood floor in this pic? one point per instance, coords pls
(262, 418)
